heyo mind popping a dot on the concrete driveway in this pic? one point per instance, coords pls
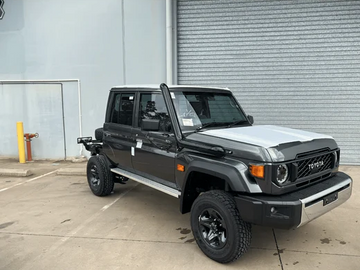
(55, 222)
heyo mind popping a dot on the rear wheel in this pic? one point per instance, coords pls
(218, 228)
(99, 176)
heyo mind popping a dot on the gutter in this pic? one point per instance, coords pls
(170, 8)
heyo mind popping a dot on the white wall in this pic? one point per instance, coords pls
(38, 107)
(102, 43)
(144, 23)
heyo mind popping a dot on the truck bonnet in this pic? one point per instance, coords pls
(265, 136)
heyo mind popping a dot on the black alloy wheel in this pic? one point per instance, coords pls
(94, 180)
(213, 228)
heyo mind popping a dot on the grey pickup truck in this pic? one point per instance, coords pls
(198, 145)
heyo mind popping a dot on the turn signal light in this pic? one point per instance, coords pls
(181, 168)
(257, 171)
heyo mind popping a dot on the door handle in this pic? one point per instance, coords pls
(107, 134)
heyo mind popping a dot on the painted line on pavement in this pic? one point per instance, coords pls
(27, 181)
(72, 234)
(89, 220)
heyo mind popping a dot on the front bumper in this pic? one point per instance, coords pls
(297, 208)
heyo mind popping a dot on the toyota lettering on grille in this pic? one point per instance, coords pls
(316, 165)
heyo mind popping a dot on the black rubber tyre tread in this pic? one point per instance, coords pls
(99, 133)
(105, 175)
(239, 242)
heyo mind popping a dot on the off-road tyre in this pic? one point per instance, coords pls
(100, 178)
(237, 232)
(99, 133)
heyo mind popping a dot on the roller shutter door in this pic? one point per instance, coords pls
(289, 63)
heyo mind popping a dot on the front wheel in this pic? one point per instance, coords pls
(218, 228)
(99, 176)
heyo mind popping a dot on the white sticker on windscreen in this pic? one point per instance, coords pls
(187, 122)
(172, 95)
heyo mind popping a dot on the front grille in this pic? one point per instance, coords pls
(313, 165)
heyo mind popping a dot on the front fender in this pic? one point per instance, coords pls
(233, 172)
(233, 176)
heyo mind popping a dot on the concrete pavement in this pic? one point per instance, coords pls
(55, 222)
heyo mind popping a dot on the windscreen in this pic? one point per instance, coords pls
(196, 109)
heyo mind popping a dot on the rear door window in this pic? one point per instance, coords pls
(122, 109)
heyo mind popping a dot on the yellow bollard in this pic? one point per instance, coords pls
(21, 142)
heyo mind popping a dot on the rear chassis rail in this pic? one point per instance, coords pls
(93, 146)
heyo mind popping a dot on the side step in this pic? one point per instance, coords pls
(146, 181)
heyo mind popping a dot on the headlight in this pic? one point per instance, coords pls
(282, 174)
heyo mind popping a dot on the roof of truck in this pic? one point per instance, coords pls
(153, 87)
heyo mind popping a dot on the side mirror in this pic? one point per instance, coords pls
(251, 119)
(150, 124)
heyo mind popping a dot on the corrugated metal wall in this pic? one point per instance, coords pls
(290, 63)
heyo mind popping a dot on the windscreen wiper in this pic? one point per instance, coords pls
(237, 123)
(206, 125)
